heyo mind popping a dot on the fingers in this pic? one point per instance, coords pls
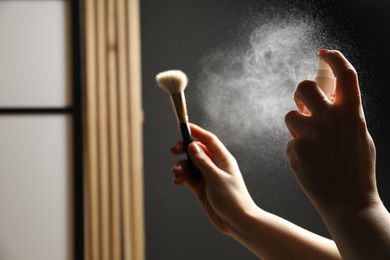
(180, 172)
(210, 157)
(347, 86)
(178, 148)
(202, 161)
(181, 175)
(208, 153)
(217, 150)
(310, 95)
(297, 123)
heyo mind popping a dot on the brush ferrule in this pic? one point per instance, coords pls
(180, 107)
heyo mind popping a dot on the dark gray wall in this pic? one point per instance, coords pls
(175, 35)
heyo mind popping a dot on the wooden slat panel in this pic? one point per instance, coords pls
(114, 192)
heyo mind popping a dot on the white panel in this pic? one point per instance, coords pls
(35, 170)
(34, 53)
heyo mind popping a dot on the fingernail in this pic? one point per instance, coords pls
(176, 168)
(175, 147)
(195, 148)
(322, 51)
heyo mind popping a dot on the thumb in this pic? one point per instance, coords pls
(202, 161)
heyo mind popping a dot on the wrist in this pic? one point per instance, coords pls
(241, 224)
(344, 211)
(350, 206)
(360, 232)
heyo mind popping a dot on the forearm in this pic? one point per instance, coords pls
(271, 237)
(362, 234)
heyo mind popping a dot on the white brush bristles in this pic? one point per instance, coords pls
(172, 81)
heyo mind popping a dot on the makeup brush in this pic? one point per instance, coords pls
(174, 82)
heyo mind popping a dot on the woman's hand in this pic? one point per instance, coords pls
(221, 192)
(225, 199)
(332, 153)
(333, 158)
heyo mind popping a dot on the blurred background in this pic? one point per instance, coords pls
(179, 35)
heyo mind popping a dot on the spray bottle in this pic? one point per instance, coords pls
(326, 80)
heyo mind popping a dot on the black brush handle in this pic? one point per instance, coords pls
(196, 175)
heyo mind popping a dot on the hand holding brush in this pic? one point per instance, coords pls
(174, 82)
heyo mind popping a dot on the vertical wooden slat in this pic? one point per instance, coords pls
(92, 234)
(136, 120)
(123, 85)
(103, 130)
(114, 131)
